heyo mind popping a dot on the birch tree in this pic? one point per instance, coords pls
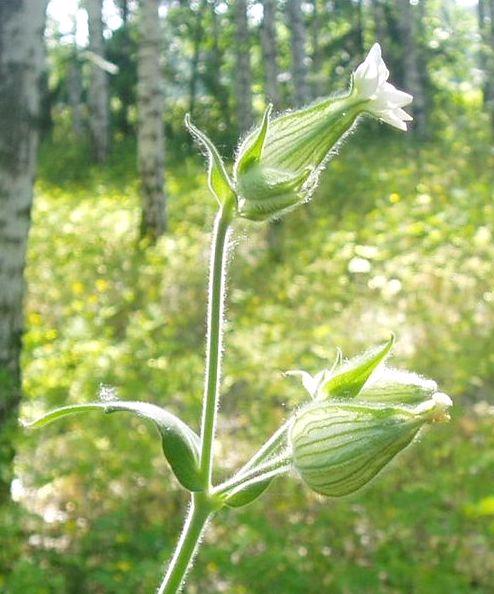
(21, 64)
(299, 53)
(99, 118)
(150, 132)
(243, 73)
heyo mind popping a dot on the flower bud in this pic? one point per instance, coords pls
(279, 163)
(393, 386)
(338, 447)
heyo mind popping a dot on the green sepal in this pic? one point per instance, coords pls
(181, 445)
(248, 493)
(251, 150)
(218, 180)
(350, 378)
(265, 193)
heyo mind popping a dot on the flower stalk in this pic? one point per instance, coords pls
(360, 413)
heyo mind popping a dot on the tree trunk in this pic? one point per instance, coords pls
(151, 134)
(21, 64)
(412, 80)
(299, 54)
(379, 18)
(99, 117)
(491, 64)
(486, 53)
(243, 74)
(319, 85)
(220, 90)
(197, 36)
(359, 30)
(74, 85)
(270, 52)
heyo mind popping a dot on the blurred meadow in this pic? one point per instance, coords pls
(399, 238)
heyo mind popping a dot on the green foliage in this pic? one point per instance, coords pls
(415, 256)
(180, 444)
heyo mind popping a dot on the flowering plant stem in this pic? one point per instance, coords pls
(204, 503)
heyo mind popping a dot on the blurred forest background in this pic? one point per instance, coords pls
(399, 237)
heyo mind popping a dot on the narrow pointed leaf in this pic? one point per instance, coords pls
(180, 443)
(218, 179)
(349, 379)
(254, 151)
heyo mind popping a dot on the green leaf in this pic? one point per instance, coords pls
(181, 444)
(218, 179)
(350, 378)
(251, 149)
(248, 493)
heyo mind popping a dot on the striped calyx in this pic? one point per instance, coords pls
(278, 164)
(339, 446)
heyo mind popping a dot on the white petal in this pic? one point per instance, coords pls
(391, 118)
(367, 76)
(402, 114)
(397, 97)
(374, 54)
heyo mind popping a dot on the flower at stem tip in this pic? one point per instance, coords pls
(384, 101)
(278, 164)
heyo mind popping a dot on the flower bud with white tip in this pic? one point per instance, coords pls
(279, 163)
(339, 446)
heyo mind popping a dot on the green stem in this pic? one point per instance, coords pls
(204, 503)
(269, 469)
(270, 446)
(214, 339)
(196, 520)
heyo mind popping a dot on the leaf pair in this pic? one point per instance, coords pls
(180, 443)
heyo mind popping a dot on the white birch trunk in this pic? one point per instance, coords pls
(243, 74)
(21, 64)
(99, 118)
(299, 52)
(150, 133)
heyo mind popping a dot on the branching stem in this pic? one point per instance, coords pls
(204, 503)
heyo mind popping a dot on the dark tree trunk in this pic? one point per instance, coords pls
(298, 36)
(197, 36)
(270, 52)
(412, 78)
(243, 73)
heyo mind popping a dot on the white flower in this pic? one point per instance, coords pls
(385, 100)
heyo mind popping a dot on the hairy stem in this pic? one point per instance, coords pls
(271, 468)
(204, 503)
(267, 449)
(214, 339)
(196, 520)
